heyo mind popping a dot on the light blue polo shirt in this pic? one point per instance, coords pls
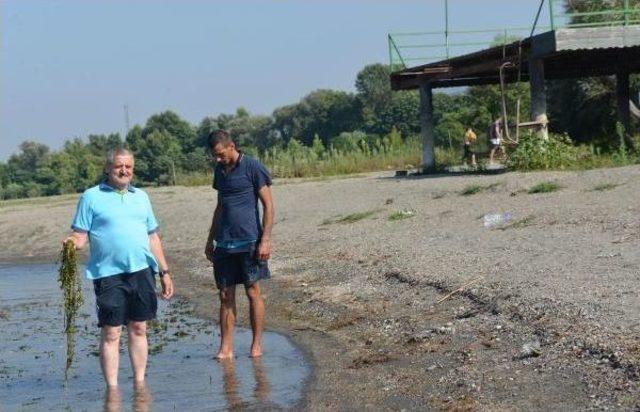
(119, 225)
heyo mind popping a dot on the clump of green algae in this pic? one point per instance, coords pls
(71, 286)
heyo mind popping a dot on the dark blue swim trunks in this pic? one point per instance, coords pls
(126, 297)
(233, 267)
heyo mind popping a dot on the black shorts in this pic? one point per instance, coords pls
(231, 267)
(126, 297)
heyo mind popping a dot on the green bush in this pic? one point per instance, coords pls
(194, 179)
(298, 160)
(13, 191)
(447, 157)
(535, 153)
(473, 188)
(544, 187)
(401, 215)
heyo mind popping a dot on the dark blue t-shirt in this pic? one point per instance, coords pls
(239, 219)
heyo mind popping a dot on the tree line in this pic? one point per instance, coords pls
(340, 131)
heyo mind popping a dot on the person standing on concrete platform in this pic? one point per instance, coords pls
(118, 222)
(238, 244)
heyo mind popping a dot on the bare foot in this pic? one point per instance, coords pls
(256, 351)
(224, 355)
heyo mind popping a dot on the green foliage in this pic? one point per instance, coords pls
(348, 142)
(100, 144)
(317, 147)
(401, 215)
(12, 191)
(71, 286)
(158, 157)
(475, 188)
(200, 178)
(356, 217)
(171, 124)
(544, 187)
(331, 132)
(534, 153)
(326, 113)
(604, 186)
(383, 109)
(446, 157)
(471, 190)
(576, 8)
(586, 108)
(298, 160)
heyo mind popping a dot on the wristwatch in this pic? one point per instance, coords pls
(164, 272)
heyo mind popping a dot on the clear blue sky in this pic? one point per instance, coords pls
(67, 68)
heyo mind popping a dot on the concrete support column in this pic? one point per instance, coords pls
(622, 98)
(538, 96)
(426, 128)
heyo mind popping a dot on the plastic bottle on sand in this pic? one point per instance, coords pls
(492, 220)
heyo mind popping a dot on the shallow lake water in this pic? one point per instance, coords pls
(181, 373)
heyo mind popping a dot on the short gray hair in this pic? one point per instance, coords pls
(117, 151)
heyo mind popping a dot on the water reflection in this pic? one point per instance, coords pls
(141, 398)
(231, 386)
(261, 389)
(140, 401)
(112, 400)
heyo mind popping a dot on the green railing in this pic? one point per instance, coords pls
(593, 13)
(413, 49)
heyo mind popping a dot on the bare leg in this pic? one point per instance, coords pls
(493, 151)
(109, 353)
(256, 313)
(138, 349)
(227, 321)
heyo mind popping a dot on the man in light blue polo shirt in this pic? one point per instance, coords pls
(125, 253)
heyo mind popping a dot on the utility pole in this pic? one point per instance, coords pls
(446, 26)
(126, 120)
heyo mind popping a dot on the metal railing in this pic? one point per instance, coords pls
(413, 49)
(593, 13)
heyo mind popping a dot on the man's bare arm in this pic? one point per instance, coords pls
(266, 198)
(156, 248)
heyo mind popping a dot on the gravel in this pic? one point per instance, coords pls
(551, 324)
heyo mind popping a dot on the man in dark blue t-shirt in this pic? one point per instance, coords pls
(239, 245)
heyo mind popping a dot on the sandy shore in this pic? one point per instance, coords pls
(549, 320)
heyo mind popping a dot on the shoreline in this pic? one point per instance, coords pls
(550, 324)
(200, 304)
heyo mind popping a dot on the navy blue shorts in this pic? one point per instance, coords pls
(233, 267)
(126, 297)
